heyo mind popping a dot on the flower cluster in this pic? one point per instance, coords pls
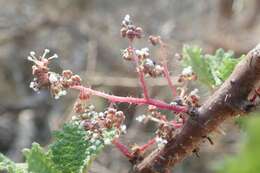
(99, 123)
(129, 30)
(187, 75)
(43, 78)
(166, 128)
(147, 65)
(142, 56)
(105, 127)
(40, 70)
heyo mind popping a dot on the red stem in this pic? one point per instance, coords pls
(168, 78)
(140, 72)
(148, 144)
(122, 148)
(141, 77)
(131, 100)
(143, 84)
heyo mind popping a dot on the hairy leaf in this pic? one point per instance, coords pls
(69, 151)
(38, 161)
(192, 56)
(211, 70)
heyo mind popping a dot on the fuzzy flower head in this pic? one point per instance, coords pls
(187, 74)
(187, 71)
(129, 30)
(143, 53)
(44, 78)
(160, 142)
(140, 118)
(40, 69)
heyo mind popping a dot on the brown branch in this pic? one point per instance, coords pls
(229, 100)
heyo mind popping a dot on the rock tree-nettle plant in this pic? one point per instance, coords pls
(81, 139)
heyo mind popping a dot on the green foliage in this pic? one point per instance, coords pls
(38, 161)
(212, 70)
(72, 152)
(9, 166)
(247, 161)
(192, 56)
(70, 149)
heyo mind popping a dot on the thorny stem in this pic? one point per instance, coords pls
(132, 100)
(209, 116)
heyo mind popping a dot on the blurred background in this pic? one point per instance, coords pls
(85, 34)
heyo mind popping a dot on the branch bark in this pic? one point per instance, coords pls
(229, 100)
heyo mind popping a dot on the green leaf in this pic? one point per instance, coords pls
(73, 151)
(248, 157)
(222, 64)
(11, 167)
(38, 161)
(211, 70)
(192, 56)
(226, 67)
(69, 151)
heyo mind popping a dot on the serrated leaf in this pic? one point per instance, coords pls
(212, 70)
(69, 151)
(222, 64)
(192, 56)
(7, 165)
(38, 161)
(226, 67)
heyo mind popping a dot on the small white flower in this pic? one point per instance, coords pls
(123, 128)
(32, 53)
(107, 141)
(160, 142)
(56, 97)
(61, 93)
(149, 62)
(46, 51)
(143, 52)
(138, 52)
(173, 103)
(74, 118)
(158, 69)
(29, 58)
(140, 118)
(53, 57)
(91, 107)
(101, 114)
(97, 142)
(93, 147)
(92, 140)
(95, 135)
(34, 86)
(187, 71)
(53, 77)
(127, 18)
(194, 92)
